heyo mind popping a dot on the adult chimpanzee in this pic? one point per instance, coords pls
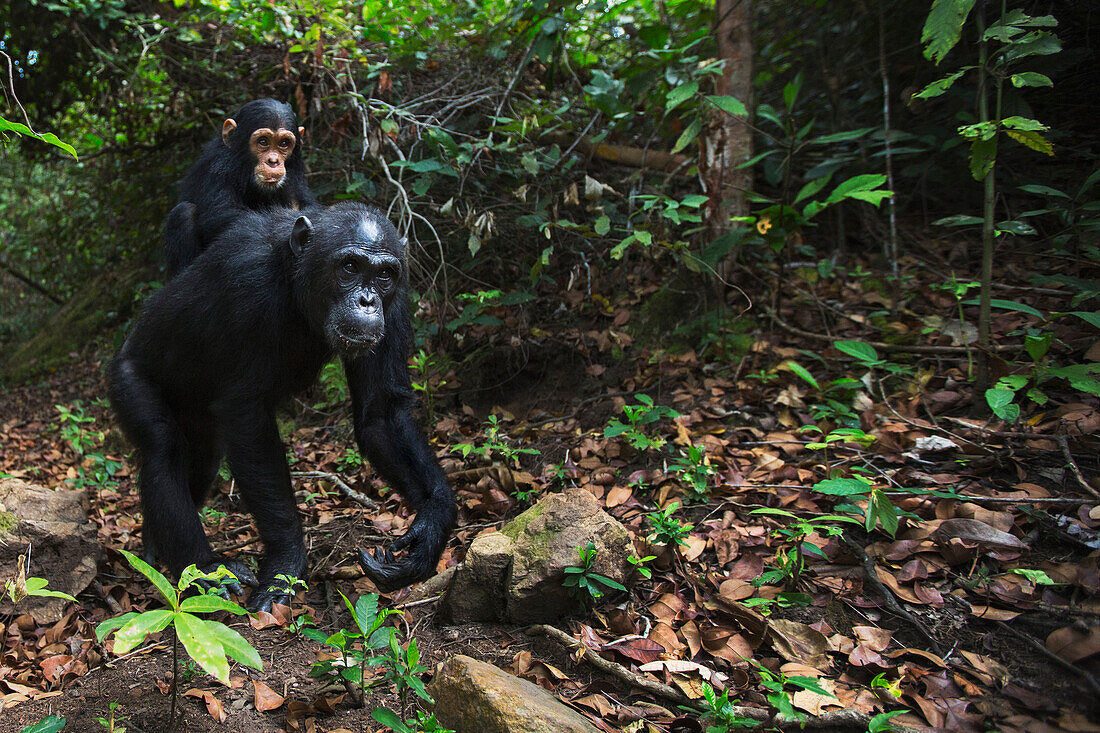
(249, 323)
(255, 163)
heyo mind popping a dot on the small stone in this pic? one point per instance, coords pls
(476, 696)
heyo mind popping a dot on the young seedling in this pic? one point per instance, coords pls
(371, 636)
(422, 723)
(582, 582)
(637, 417)
(719, 716)
(208, 642)
(21, 586)
(664, 530)
(791, 563)
(695, 471)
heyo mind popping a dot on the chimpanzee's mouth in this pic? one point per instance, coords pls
(353, 344)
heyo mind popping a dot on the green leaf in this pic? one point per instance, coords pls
(842, 486)
(159, 581)
(49, 724)
(234, 644)
(1092, 319)
(210, 603)
(111, 624)
(390, 719)
(811, 188)
(801, 371)
(940, 86)
(865, 182)
(607, 581)
(838, 137)
(1008, 305)
(882, 510)
(603, 225)
(858, 350)
(983, 155)
(135, 631)
(689, 134)
(681, 93)
(958, 220)
(49, 137)
(1038, 577)
(202, 646)
(1033, 140)
(729, 105)
(1031, 79)
(943, 27)
(1043, 190)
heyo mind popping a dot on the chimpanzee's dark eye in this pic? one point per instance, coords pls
(385, 274)
(284, 144)
(349, 267)
(263, 142)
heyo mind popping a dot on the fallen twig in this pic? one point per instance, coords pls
(892, 604)
(346, 490)
(1063, 443)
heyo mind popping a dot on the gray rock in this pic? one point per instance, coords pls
(477, 591)
(545, 541)
(63, 543)
(475, 697)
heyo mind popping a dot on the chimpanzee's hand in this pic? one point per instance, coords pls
(226, 586)
(423, 544)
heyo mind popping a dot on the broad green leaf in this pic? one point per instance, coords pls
(774, 512)
(111, 624)
(872, 197)
(864, 182)
(1016, 122)
(940, 86)
(390, 719)
(842, 486)
(1090, 318)
(1031, 79)
(1033, 140)
(48, 137)
(958, 220)
(49, 724)
(154, 577)
(681, 93)
(729, 105)
(607, 581)
(801, 371)
(943, 27)
(135, 631)
(603, 225)
(689, 134)
(234, 644)
(857, 350)
(811, 188)
(983, 155)
(1008, 305)
(882, 510)
(203, 646)
(838, 137)
(1043, 190)
(210, 603)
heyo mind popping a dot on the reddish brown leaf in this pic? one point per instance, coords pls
(266, 698)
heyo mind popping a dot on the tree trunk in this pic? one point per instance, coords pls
(728, 142)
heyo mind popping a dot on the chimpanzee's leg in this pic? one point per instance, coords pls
(257, 459)
(171, 525)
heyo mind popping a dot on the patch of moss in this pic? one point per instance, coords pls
(7, 521)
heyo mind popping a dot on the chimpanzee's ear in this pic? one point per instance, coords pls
(301, 134)
(299, 236)
(227, 127)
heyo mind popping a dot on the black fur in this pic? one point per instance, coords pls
(220, 184)
(247, 325)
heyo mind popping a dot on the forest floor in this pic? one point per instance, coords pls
(970, 597)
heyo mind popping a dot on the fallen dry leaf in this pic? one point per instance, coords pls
(265, 698)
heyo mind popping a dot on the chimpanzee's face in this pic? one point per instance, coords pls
(355, 268)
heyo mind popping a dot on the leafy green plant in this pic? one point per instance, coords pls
(422, 723)
(350, 462)
(582, 582)
(430, 368)
(207, 642)
(113, 722)
(475, 311)
(1078, 214)
(494, 445)
(1003, 44)
(358, 648)
(402, 669)
(333, 386)
(21, 586)
(791, 563)
(666, 530)
(639, 564)
(73, 421)
(775, 684)
(289, 584)
(637, 417)
(881, 722)
(695, 470)
(719, 716)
